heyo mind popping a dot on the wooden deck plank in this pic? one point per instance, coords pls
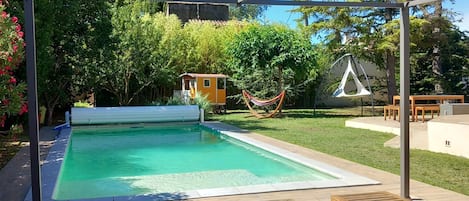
(373, 196)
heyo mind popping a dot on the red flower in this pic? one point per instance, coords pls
(2, 120)
(24, 109)
(15, 48)
(12, 80)
(7, 68)
(4, 15)
(6, 102)
(20, 34)
(18, 28)
(2, 72)
(14, 19)
(10, 59)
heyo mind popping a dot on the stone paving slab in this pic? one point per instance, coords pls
(15, 177)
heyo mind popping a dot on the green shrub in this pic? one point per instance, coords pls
(203, 102)
(155, 103)
(175, 101)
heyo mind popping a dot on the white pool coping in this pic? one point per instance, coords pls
(52, 164)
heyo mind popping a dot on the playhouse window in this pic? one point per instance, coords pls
(220, 83)
(206, 83)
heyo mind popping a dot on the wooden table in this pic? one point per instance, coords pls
(440, 99)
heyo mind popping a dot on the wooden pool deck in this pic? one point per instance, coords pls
(389, 182)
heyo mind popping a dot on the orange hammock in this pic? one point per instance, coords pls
(249, 98)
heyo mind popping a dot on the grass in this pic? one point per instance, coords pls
(326, 132)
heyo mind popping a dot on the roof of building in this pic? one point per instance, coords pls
(203, 75)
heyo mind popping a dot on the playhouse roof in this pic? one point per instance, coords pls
(203, 75)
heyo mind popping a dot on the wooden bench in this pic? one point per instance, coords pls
(391, 110)
(432, 108)
(373, 196)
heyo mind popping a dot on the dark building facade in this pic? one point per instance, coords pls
(199, 11)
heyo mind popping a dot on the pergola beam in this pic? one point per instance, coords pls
(302, 3)
(418, 2)
(325, 3)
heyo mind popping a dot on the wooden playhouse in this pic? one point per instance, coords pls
(211, 85)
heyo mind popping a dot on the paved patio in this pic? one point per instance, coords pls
(18, 172)
(418, 130)
(16, 175)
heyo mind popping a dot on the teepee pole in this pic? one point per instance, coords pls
(367, 82)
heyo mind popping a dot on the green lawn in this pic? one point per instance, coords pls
(326, 132)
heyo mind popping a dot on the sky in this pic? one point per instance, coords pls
(280, 14)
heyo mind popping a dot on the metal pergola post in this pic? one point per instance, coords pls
(404, 102)
(33, 122)
(404, 76)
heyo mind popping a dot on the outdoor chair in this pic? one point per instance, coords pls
(391, 110)
(432, 108)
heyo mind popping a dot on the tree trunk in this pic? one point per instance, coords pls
(391, 74)
(50, 113)
(436, 63)
(390, 62)
(306, 19)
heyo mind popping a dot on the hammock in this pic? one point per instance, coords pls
(249, 98)
(340, 91)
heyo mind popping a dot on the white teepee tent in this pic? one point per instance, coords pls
(361, 90)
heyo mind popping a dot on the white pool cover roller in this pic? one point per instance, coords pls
(135, 114)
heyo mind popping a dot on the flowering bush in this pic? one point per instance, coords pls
(12, 101)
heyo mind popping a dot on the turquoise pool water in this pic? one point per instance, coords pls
(121, 161)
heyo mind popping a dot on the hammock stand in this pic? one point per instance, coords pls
(249, 98)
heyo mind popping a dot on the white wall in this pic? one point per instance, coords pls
(449, 134)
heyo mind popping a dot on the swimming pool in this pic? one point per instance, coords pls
(229, 162)
(118, 161)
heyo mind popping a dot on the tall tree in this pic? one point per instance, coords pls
(247, 12)
(355, 30)
(146, 51)
(64, 45)
(268, 59)
(433, 12)
(370, 33)
(453, 61)
(208, 40)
